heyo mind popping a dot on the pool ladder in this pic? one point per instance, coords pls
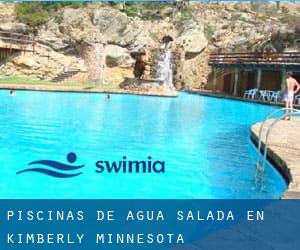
(260, 164)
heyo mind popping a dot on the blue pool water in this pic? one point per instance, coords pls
(204, 142)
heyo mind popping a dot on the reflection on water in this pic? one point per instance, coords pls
(204, 142)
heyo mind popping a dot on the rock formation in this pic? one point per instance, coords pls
(131, 41)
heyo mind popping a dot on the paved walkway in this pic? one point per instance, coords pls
(284, 151)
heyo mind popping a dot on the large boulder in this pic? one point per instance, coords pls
(52, 39)
(118, 56)
(14, 27)
(286, 37)
(43, 64)
(25, 61)
(136, 36)
(76, 26)
(194, 69)
(152, 87)
(74, 18)
(192, 37)
(246, 17)
(111, 23)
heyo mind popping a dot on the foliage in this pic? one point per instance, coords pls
(208, 31)
(38, 13)
(284, 10)
(225, 27)
(32, 14)
(149, 10)
(238, 7)
(132, 12)
(187, 13)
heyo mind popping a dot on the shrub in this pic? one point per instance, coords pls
(132, 12)
(284, 10)
(187, 13)
(208, 31)
(32, 14)
(38, 13)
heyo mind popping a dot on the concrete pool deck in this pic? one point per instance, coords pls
(284, 151)
(231, 97)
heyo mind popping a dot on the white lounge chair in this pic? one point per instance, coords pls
(275, 96)
(246, 94)
(297, 99)
(250, 94)
(264, 95)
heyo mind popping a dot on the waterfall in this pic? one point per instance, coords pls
(165, 71)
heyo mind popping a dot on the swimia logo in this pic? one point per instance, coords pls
(61, 170)
(55, 168)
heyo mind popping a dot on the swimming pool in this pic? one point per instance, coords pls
(204, 142)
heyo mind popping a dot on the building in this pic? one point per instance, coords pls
(234, 73)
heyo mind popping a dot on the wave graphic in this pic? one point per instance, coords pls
(49, 172)
(57, 167)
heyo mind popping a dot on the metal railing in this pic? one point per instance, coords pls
(17, 41)
(260, 166)
(11, 42)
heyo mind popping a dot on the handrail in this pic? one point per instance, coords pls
(292, 112)
(269, 131)
(13, 33)
(17, 41)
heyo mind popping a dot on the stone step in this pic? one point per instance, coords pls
(65, 75)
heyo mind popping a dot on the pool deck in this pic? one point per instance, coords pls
(283, 151)
(80, 89)
(227, 96)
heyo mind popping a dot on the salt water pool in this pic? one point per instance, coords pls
(203, 141)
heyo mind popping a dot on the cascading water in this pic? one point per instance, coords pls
(165, 71)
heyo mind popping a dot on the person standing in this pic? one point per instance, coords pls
(292, 88)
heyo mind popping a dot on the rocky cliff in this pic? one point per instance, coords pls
(130, 41)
